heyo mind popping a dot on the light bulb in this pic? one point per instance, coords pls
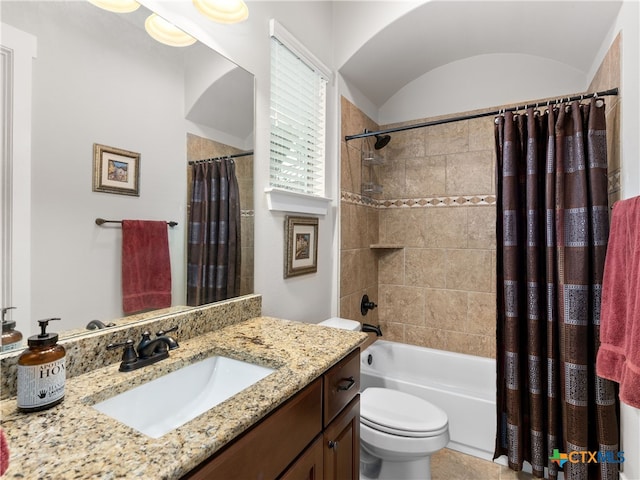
(167, 33)
(117, 6)
(223, 11)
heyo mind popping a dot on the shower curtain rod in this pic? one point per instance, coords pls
(613, 91)
(235, 155)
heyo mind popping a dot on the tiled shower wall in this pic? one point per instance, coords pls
(434, 226)
(608, 76)
(424, 249)
(358, 224)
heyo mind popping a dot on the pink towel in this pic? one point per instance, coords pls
(619, 353)
(146, 268)
(4, 453)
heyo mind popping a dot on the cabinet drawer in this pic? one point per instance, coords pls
(341, 384)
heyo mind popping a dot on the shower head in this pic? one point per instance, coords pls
(381, 141)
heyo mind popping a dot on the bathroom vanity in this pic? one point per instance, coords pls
(316, 434)
(301, 421)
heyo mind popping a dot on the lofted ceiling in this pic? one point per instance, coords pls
(440, 32)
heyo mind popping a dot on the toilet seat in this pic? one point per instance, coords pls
(402, 414)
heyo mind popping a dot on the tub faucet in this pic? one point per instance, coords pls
(366, 327)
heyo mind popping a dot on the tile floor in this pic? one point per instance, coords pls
(451, 465)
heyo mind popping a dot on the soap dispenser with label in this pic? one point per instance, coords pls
(41, 371)
(11, 338)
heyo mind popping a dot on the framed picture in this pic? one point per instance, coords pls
(116, 170)
(301, 246)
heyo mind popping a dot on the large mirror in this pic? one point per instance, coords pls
(98, 78)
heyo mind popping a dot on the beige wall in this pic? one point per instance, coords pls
(435, 284)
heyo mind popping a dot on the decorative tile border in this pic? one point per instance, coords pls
(453, 201)
(424, 202)
(614, 181)
(358, 199)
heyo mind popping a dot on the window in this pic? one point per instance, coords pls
(298, 115)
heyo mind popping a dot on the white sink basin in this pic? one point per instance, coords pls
(159, 406)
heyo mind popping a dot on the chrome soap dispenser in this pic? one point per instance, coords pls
(41, 371)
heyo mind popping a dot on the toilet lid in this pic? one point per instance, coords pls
(400, 413)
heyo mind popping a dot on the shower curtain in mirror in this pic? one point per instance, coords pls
(552, 231)
(213, 250)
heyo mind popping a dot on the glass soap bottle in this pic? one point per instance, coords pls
(11, 338)
(41, 371)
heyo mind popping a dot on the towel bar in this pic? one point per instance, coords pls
(101, 221)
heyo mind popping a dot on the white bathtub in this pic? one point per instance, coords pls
(462, 385)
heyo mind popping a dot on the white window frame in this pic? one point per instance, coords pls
(286, 199)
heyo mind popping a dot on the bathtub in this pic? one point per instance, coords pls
(462, 385)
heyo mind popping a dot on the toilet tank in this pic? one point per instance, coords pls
(342, 323)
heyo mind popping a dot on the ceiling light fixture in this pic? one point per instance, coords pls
(223, 11)
(117, 6)
(167, 33)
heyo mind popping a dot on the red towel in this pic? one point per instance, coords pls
(619, 353)
(146, 268)
(4, 453)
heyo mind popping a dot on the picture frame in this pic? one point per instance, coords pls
(116, 170)
(301, 246)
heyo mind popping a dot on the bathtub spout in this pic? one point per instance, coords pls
(366, 327)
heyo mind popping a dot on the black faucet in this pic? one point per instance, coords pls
(162, 343)
(97, 325)
(366, 327)
(148, 351)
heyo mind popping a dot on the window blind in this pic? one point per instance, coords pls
(298, 122)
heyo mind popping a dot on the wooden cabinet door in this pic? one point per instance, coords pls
(264, 452)
(310, 464)
(342, 444)
(341, 385)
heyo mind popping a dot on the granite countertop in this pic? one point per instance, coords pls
(73, 440)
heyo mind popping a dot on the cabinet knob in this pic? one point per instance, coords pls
(333, 445)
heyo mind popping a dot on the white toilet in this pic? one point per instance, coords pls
(398, 432)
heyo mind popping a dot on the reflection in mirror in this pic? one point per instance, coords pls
(220, 269)
(98, 78)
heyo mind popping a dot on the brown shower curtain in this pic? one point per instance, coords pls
(213, 250)
(552, 230)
